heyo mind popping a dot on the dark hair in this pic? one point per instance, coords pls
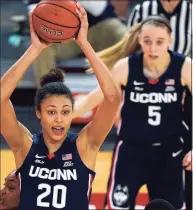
(159, 204)
(158, 20)
(52, 83)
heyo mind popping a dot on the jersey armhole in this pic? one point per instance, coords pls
(123, 87)
(80, 160)
(34, 142)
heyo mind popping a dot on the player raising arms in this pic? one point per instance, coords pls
(149, 147)
(57, 167)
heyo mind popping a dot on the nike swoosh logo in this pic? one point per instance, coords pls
(37, 156)
(175, 154)
(138, 83)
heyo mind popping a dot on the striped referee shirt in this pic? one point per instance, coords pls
(180, 21)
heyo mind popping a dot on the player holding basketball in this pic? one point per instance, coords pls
(57, 167)
(149, 145)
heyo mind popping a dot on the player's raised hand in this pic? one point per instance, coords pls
(187, 161)
(82, 34)
(36, 42)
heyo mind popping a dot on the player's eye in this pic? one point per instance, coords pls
(159, 42)
(147, 42)
(10, 187)
(66, 112)
(51, 112)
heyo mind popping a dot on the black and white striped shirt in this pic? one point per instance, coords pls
(180, 20)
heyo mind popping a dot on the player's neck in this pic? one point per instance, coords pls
(169, 6)
(53, 145)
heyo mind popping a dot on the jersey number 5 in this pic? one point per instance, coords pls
(154, 116)
(57, 203)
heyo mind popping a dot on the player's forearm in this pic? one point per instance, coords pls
(105, 80)
(12, 77)
(87, 103)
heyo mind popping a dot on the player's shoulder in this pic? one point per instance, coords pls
(120, 71)
(187, 65)
(121, 62)
(188, 60)
(177, 57)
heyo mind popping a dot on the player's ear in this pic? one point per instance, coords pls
(38, 114)
(170, 41)
(139, 39)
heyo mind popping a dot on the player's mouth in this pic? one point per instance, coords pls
(153, 57)
(58, 130)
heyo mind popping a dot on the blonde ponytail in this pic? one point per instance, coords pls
(127, 46)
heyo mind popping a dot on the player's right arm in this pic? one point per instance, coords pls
(16, 135)
(93, 99)
(11, 129)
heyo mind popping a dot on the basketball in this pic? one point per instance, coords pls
(56, 21)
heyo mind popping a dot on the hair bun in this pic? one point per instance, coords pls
(54, 75)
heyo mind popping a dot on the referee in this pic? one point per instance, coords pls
(179, 13)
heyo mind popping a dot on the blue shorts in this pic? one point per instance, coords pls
(133, 166)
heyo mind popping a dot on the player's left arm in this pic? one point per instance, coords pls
(187, 76)
(95, 132)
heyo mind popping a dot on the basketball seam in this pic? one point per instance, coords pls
(55, 23)
(40, 34)
(63, 8)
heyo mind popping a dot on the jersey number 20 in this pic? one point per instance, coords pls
(154, 115)
(55, 203)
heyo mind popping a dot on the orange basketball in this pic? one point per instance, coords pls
(56, 21)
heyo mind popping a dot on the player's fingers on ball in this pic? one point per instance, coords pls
(30, 22)
(78, 4)
(79, 13)
(30, 19)
(81, 8)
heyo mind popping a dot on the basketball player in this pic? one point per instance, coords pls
(149, 145)
(56, 167)
(10, 194)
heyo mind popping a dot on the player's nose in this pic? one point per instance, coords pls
(153, 48)
(59, 118)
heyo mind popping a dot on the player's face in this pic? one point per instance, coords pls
(154, 41)
(10, 194)
(55, 116)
